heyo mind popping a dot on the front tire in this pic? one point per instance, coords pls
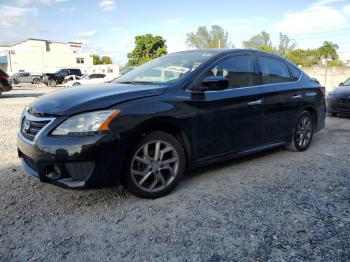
(302, 133)
(155, 165)
(76, 84)
(36, 81)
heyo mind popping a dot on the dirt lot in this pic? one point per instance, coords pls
(278, 205)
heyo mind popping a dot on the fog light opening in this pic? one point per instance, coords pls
(53, 172)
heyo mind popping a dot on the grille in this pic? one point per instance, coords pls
(80, 171)
(30, 162)
(30, 129)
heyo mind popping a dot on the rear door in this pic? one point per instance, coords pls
(282, 98)
(230, 120)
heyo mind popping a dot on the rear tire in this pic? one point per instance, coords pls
(155, 165)
(76, 84)
(303, 132)
(52, 83)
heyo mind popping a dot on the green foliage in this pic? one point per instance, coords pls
(203, 38)
(258, 41)
(329, 50)
(96, 59)
(106, 60)
(267, 48)
(336, 62)
(147, 47)
(302, 57)
(312, 57)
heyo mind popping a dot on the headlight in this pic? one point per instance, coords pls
(86, 124)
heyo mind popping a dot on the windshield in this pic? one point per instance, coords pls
(167, 69)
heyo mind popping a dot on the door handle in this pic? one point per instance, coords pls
(255, 103)
(296, 97)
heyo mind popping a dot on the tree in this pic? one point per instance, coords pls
(286, 44)
(303, 58)
(267, 48)
(329, 50)
(106, 60)
(215, 38)
(257, 41)
(96, 59)
(147, 47)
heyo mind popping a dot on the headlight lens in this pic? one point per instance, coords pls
(86, 124)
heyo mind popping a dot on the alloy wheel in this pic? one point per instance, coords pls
(155, 166)
(304, 131)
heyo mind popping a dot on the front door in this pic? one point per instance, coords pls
(232, 119)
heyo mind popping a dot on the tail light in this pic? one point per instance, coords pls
(5, 77)
(323, 90)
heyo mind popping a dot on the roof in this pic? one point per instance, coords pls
(219, 51)
(44, 40)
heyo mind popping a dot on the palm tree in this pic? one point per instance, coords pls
(329, 52)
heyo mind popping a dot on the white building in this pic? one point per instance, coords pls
(43, 56)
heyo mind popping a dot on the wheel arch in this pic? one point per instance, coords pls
(168, 125)
(313, 113)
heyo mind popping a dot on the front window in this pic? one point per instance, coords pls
(239, 71)
(167, 69)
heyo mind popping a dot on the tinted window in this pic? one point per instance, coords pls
(295, 72)
(239, 70)
(273, 70)
(100, 75)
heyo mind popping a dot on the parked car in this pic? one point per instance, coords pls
(5, 85)
(25, 77)
(175, 113)
(338, 101)
(58, 77)
(84, 80)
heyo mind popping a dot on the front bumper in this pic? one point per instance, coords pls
(338, 106)
(91, 161)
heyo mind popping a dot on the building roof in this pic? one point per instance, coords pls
(44, 40)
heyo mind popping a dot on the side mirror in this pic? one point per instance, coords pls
(214, 83)
(341, 84)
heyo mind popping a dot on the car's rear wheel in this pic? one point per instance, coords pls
(36, 81)
(303, 133)
(76, 84)
(155, 165)
(52, 83)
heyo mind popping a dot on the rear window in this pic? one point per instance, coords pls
(273, 71)
(295, 72)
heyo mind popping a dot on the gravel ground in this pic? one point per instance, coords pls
(273, 206)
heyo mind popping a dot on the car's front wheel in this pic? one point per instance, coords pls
(303, 133)
(155, 165)
(36, 81)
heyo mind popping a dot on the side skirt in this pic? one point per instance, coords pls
(233, 155)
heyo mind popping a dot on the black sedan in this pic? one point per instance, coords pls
(338, 101)
(5, 85)
(177, 112)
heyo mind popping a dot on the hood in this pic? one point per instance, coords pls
(341, 92)
(75, 100)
